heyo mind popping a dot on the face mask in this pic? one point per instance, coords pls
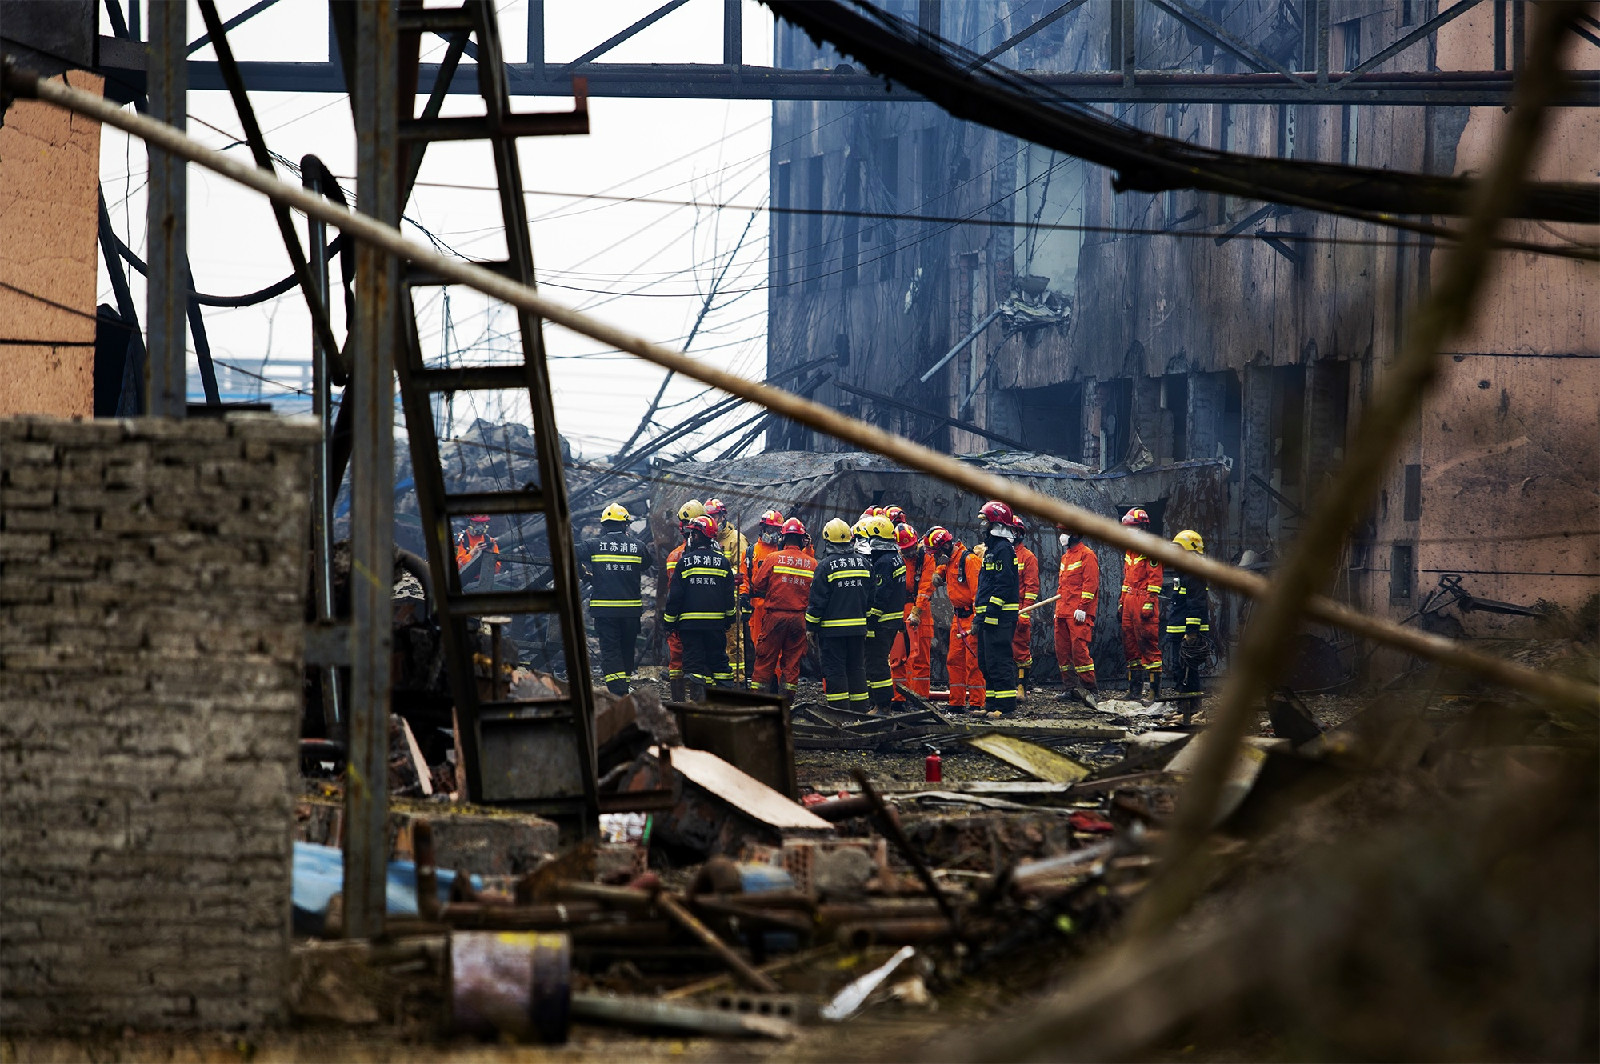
(1065, 540)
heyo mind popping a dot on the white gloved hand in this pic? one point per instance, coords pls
(1079, 616)
(1065, 540)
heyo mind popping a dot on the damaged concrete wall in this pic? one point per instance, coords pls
(49, 180)
(152, 588)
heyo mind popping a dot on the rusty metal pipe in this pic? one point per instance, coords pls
(746, 972)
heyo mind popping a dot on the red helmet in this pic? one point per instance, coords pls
(1019, 524)
(905, 536)
(794, 527)
(770, 519)
(705, 524)
(997, 513)
(938, 538)
(1136, 517)
(716, 508)
(897, 515)
(478, 519)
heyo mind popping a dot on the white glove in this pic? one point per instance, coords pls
(1079, 616)
(1065, 540)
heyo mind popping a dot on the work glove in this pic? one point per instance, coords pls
(1193, 641)
(744, 603)
(915, 618)
(1080, 616)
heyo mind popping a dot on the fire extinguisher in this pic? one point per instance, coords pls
(933, 767)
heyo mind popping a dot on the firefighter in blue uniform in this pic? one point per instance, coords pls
(701, 608)
(836, 616)
(615, 561)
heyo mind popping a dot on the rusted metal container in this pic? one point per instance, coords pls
(511, 983)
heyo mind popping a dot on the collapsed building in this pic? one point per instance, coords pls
(1124, 329)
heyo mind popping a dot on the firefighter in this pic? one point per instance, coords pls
(836, 616)
(886, 616)
(1141, 589)
(615, 562)
(1028, 580)
(1077, 584)
(1186, 614)
(781, 588)
(896, 516)
(909, 661)
(701, 607)
(997, 603)
(961, 568)
(686, 513)
(736, 549)
(769, 540)
(470, 547)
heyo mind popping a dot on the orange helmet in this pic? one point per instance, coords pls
(1136, 518)
(716, 508)
(705, 524)
(939, 538)
(770, 519)
(905, 536)
(794, 527)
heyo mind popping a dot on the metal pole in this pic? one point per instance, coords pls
(166, 299)
(372, 472)
(322, 489)
(372, 233)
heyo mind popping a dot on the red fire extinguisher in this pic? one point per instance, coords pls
(933, 768)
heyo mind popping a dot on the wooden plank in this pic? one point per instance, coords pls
(745, 792)
(1030, 758)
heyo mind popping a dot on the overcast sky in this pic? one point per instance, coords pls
(643, 266)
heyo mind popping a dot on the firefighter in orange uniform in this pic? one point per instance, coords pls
(910, 662)
(1077, 584)
(960, 570)
(472, 545)
(769, 540)
(1028, 580)
(1141, 613)
(675, 682)
(781, 589)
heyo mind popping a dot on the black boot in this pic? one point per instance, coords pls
(1088, 695)
(1135, 683)
(697, 690)
(676, 689)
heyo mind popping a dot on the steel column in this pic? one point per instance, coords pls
(322, 491)
(166, 299)
(372, 472)
(732, 33)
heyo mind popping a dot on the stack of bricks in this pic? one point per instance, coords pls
(152, 595)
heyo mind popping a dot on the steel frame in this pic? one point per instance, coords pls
(1272, 83)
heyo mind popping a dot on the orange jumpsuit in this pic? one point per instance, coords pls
(910, 661)
(1141, 591)
(1077, 582)
(466, 543)
(674, 644)
(1028, 585)
(961, 584)
(781, 588)
(759, 552)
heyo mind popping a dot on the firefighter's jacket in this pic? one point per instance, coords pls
(615, 563)
(466, 543)
(1141, 586)
(961, 575)
(1027, 577)
(1185, 610)
(888, 589)
(1078, 581)
(783, 581)
(702, 591)
(999, 584)
(919, 584)
(841, 594)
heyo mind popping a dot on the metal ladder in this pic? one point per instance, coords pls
(537, 755)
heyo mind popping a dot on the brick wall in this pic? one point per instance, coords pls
(152, 582)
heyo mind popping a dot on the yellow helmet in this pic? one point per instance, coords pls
(1189, 539)
(615, 512)
(836, 531)
(690, 510)
(878, 527)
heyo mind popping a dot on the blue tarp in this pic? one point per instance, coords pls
(319, 875)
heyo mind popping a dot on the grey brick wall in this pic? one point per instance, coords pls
(152, 585)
